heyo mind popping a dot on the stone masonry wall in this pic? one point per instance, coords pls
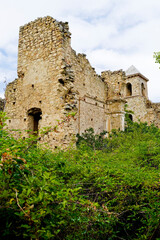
(138, 102)
(136, 82)
(41, 69)
(91, 95)
(53, 82)
(144, 110)
(115, 82)
(153, 113)
(87, 91)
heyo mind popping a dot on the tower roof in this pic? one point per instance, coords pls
(133, 71)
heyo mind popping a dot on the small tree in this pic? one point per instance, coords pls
(157, 57)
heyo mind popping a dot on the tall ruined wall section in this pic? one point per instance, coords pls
(115, 102)
(87, 91)
(91, 95)
(116, 83)
(41, 70)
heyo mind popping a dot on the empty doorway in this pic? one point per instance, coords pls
(34, 116)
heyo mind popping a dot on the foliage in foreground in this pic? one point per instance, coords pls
(112, 193)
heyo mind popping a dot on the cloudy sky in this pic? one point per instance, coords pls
(114, 34)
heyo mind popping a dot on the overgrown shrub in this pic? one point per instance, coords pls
(92, 140)
(82, 193)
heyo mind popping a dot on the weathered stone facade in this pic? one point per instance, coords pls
(54, 81)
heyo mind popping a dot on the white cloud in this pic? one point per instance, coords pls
(114, 33)
(6, 76)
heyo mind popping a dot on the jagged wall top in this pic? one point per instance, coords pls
(63, 26)
(41, 39)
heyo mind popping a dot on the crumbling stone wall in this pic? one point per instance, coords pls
(91, 95)
(53, 81)
(153, 113)
(50, 84)
(41, 70)
(115, 102)
(116, 83)
(88, 89)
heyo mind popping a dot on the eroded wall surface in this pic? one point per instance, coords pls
(54, 82)
(91, 95)
(41, 69)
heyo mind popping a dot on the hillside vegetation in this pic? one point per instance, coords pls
(105, 189)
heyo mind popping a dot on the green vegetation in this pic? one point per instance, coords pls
(104, 189)
(157, 57)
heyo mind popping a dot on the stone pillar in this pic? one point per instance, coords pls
(115, 114)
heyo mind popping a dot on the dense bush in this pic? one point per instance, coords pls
(110, 193)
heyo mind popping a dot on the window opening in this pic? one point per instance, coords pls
(143, 89)
(130, 117)
(129, 89)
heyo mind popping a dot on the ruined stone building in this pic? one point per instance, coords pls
(53, 81)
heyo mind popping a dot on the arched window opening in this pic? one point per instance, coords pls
(130, 117)
(129, 89)
(143, 89)
(34, 115)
